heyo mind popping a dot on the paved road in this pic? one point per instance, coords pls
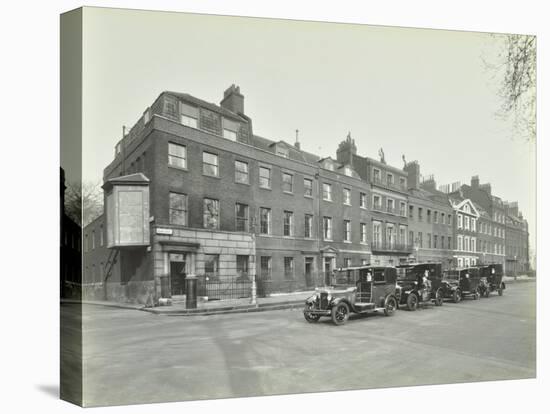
(136, 357)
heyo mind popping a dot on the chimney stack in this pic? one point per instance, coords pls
(297, 143)
(346, 150)
(486, 187)
(474, 183)
(413, 174)
(233, 100)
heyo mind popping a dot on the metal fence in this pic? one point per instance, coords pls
(224, 288)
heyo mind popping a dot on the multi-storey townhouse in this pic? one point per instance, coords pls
(387, 201)
(430, 219)
(517, 240)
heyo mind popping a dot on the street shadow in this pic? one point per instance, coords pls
(49, 389)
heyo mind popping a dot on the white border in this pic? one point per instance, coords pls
(30, 55)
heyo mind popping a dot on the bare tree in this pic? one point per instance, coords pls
(515, 67)
(84, 203)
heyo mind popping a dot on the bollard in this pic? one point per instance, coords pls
(191, 292)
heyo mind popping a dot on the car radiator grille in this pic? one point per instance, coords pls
(323, 302)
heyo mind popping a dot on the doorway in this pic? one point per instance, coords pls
(308, 271)
(328, 266)
(178, 273)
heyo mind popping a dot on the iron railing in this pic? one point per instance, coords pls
(221, 288)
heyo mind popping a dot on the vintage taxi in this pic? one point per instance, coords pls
(491, 279)
(414, 290)
(360, 290)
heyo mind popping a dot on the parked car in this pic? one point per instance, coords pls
(450, 284)
(419, 284)
(466, 283)
(360, 290)
(491, 279)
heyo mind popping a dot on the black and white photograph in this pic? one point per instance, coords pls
(266, 206)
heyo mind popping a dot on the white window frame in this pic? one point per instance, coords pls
(347, 231)
(269, 220)
(363, 232)
(346, 195)
(262, 167)
(173, 158)
(217, 164)
(239, 172)
(283, 182)
(363, 200)
(327, 228)
(327, 192)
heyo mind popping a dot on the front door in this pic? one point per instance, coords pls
(308, 271)
(177, 273)
(328, 269)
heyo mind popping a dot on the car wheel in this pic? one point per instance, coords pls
(390, 306)
(438, 297)
(412, 302)
(457, 296)
(340, 313)
(310, 317)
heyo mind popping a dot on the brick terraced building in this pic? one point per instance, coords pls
(193, 190)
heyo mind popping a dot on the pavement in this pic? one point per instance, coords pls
(244, 305)
(133, 357)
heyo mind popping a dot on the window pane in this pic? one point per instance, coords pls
(211, 263)
(265, 177)
(265, 220)
(210, 164)
(241, 217)
(230, 135)
(241, 172)
(287, 182)
(187, 120)
(308, 187)
(177, 155)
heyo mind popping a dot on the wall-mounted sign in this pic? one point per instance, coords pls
(164, 231)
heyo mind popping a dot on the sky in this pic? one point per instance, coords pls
(425, 94)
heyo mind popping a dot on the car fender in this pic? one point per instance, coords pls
(336, 301)
(311, 299)
(391, 295)
(503, 285)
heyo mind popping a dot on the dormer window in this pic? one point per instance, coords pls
(347, 171)
(329, 165)
(189, 115)
(282, 151)
(230, 129)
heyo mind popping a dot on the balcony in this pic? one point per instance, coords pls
(383, 246)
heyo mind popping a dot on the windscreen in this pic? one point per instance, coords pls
(451, 274)
(343, 277)
(406, 273)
